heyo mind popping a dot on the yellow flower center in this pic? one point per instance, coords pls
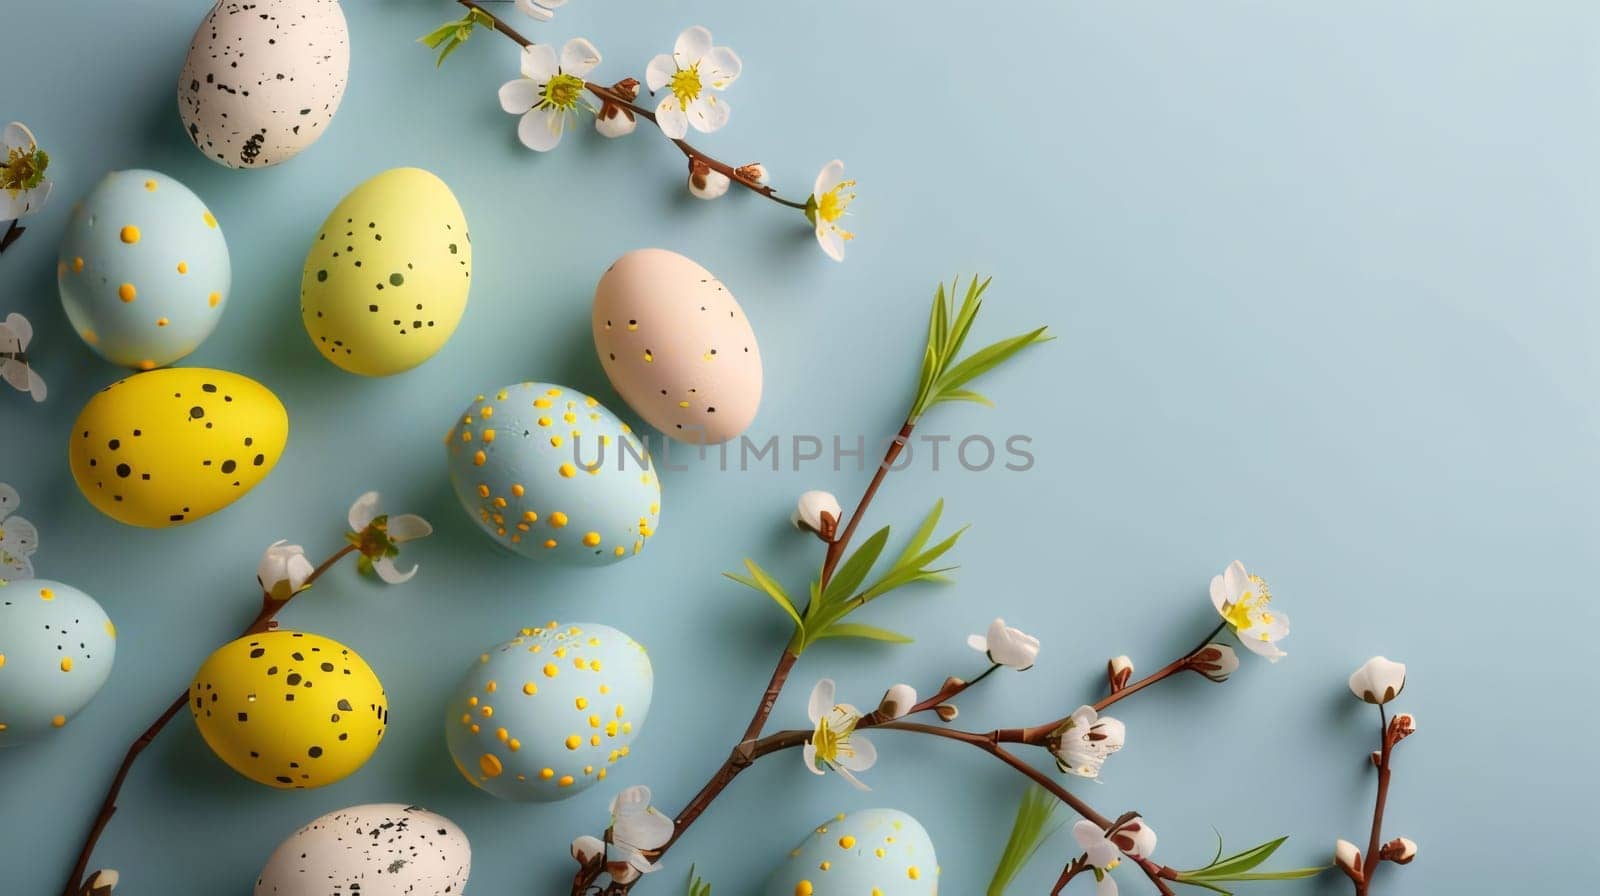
(685, 85)
(832, 205)
(829, 742)
(24, 169)
(562, 92)
(1238, 613)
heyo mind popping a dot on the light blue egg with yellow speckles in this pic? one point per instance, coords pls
(56, 649)
(143, 271)
(884, 852)
(547, 714)
(549, 473)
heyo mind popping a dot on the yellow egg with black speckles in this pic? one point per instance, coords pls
(289, 709)
(170, 446)
(385, 282)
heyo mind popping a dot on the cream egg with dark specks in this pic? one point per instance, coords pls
(56, 650)
(382, 849)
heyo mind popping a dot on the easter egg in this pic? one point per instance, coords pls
(143, 271)
(289, 709)
(263, 79)
(386, 280)
(546, 715)
(677, 346)
(56, 648)
(171, 446)
(884, 852)
(548, 472)
(383, 849)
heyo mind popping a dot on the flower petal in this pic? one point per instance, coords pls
(539, 62)
(1105, 886)
(720, 68)
(631, 801)
(671, 118)
(809, 754)
(860, 756)
(540, 129)
(708, 113)
(659, 72)
(364, 511)
(830, 176)
(854, 781)
(408, 527)
(648, 830)
(519, 95)
(21, 329)
(579, 57)
(821, 700)
(391, 573)
(17, 136)
(832, 243)
(693, 43)
(537, 11)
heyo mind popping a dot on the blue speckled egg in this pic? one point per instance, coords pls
(56, 648)
(546, 715)
(550, 473)
(884, 852)
(143, 271)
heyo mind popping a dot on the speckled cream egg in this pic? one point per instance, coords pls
(289, 709)
(549, 473)
(884, 852)
(383, 849)
(171, 446)
(56, 648)
(385, 283)
(143, 271)
(263, 79)
(546, 715)
(677, 346)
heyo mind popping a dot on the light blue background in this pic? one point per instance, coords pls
(1324, 280)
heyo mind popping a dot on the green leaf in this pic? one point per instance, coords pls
(859, 630)
(438, 35)
(1240, 867)
(939, 323)
(697, 887)
(915, 569)
(764, 583)
(1244, 861)
(1034, 823)
(853, 570)
(923, 533)
(963, 323)
(965, 395)
(984, 360)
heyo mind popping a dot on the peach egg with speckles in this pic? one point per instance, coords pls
(677, 346)
(884, 852)
(56, 649)
(549, 713)
(549, 473)
(143, 271)
(289, 709)
(168, 447)
(385, 282)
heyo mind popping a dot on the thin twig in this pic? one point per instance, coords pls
(1374, 844)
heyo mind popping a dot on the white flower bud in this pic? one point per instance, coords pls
(1119, 671)
(1215, 661)
(1402, 726)
(812, 505)
(587, 849)
(1400, 851)
(1348, 857)
(897, 701)
(1379, 680)
(946, 712)
(705, 183)
(614, 121)
(283, 570)
(1136, 838)
(755, 172)
(539, 10)
(101, 883)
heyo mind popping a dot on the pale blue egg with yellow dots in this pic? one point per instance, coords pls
(548, 472)
(56, 649)
(144, 271)
(884, 852)
(547, 714)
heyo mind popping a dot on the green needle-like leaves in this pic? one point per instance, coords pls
(697, 887)
(1240, 867)
(1034, 824)
(451, 35)
(943, 378)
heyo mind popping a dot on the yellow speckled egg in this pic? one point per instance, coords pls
(884, 852)
(289, 709)
(386, 280)
(171, 446)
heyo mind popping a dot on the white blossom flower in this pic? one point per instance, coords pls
(18, 538)
(378, 537)
(897, 701)
(1006, 646)
(1136, 838)
(830, 200)
(1243, 601)
(549, 91)
(586, 849)
(1085, 740)
(283, 570)
(834, 743)
(23, 186)
(1379, 680)
(812, 505)
(694, 69)
(15, 334)
(638, 832)
(1215, 661)
(541, 10)
(706, 182)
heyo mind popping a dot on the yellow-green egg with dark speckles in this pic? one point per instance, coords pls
(385, 282)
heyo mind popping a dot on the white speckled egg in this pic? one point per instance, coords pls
(884, 852)
(143, 271)
(677, 346)
(549, 473)
(546, 715)
(385, 282)
(56, 648)
(382, 849)
(263, 79)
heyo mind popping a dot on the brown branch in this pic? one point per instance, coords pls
(1374, 856)
(611, 96)
(270, 608)
(837, 547)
